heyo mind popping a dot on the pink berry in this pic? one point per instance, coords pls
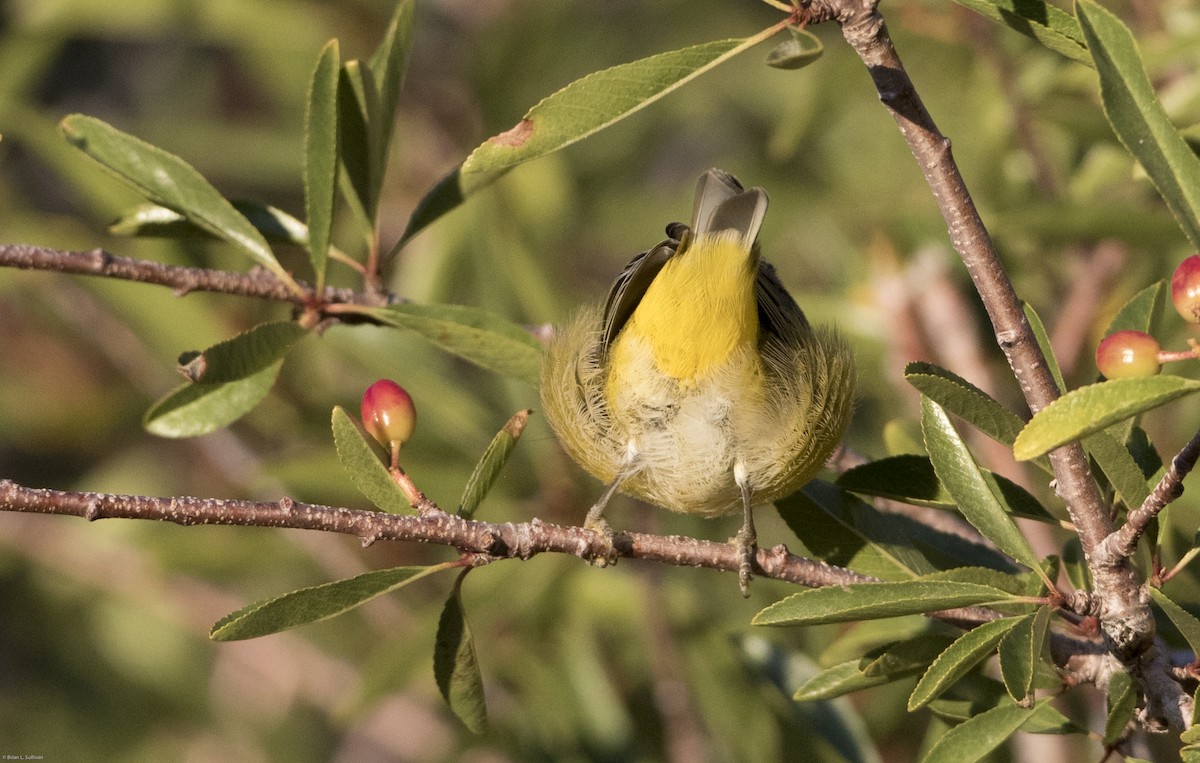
(1185, 289)
(388, 413)
(1125, 354)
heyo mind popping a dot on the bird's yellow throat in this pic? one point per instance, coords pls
(697, 312)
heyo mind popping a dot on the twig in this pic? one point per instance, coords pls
(1123, 542)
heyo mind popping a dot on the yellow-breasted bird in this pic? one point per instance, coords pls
(699, 385)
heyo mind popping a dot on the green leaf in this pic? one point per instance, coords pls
(836, 681)
(892, 663)
(1038, 20)
(171, 182)
(1185, 622)
(196, 409)
(838, 528)
(802, 49)
(154, 220)
(455, 666)
(1122, 702)
(358, 113)
(320, 602)
(321, 156)
(363, 459)
(967, 651)
(490, 464)
(1138, 118)
(1142, 311)
(965, 400)
(1043, 341)
(580, 109)
(973, 739)
(479, 336)
(1090, 409)
(1021, 651)
(975, 496)
(243, 355)
(870, 601)
(911, 479)
(388, 64)
(1075, 565)
(1119, 467)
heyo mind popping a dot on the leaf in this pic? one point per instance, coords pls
(1043, 341)
(362, 458)
(836, 681)
(1038, 20)
(1119, 467)
(490, 464)
(973, 739)
(580, 109)
(892, 663)
(154, 220)
(243, 355)
(1122, 702)
(870, 601)
(479, 336)
(455, 666)
(958, 472)
(802, 49)
(1021, 651)
(1138, 118)
(965, 400)
(1094, 407)
(1142, 311)
(840, 529)
(1075, 565)
(197, 409)
(967, 651)
(321, 156)
(358, 112)
(388, 64)
(1185, 622)
(171, 182)
(320, 602)
(911, 479)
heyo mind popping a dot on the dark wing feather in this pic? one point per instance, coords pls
(630, 286)
(779, 317)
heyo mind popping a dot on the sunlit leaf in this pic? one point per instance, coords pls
(975, 738)
(1021, 651)
(155, 220)
(867, 601)
(197, 409)
(1041, 21)
(802, 49)
(363, 459)
(490, 464)
(321, 156)
(967, 651)
(243, 355)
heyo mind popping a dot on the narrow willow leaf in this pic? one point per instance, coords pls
(320, 602)
(1090, 409)
(479, 336)
(1049, 25)
(358, 109)
(836, 681)
(1122, 702)
(580, 109)
(973, 739)
(1185, 622)
(1075, 564)
(911, 479)
(957, 660)
(802, 49)
(965, 400)
(1043, 341)
(904, 658)
(840, 529)
(197, 409)
(243, 355)
(870, 601)
(321, 156)
(388, 64)
(1138, 118)
(1142, 311)
(957, 470)
(171, 182)
(1122, 471)
(363, 459)
(154, 220)
(490, 464)
(455, 666)
(1021, 651)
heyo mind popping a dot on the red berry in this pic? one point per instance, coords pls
(388, 412)
(1125, 354)
(1185, 289)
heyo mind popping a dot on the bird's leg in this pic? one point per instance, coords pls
(595, 520)
(746, 539)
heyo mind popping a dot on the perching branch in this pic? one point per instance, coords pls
(1125, 616)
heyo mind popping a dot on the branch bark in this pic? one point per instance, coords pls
(1124, 610)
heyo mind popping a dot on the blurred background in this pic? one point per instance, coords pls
(104, 652)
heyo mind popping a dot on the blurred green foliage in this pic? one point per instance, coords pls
(103, 628)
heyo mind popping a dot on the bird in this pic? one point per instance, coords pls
(698, 384)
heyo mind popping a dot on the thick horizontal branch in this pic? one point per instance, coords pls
(257, 283)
